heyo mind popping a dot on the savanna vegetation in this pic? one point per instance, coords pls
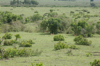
(53, 35)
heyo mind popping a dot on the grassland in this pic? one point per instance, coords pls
(29, 11)
(45, 42)
(50, 57)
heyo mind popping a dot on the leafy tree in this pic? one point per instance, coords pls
(54, 24)
(17, 36)
(44, 24)
(36, 17)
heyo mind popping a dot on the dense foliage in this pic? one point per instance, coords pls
(58, 38)
(82, 28)
(82, 41)
(8, 17)
(95, 63)
(60, 45)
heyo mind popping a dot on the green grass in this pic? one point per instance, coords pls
(27, 11)
(49, 57)
(44, 42)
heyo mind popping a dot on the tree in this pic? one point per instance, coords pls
(34, 2)
(54, 24)
(44, 25)
(17, 36)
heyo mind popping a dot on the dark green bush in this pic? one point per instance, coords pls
(36, 12)
(81, 41)
(27, 43)
(60, 45)
(9, 43)
(95, 63)
(36, 17)
(58, 38)
(7, 36)
(6, 43)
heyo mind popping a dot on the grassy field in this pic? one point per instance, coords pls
(45, 42)
(29, 11)
(49, 57)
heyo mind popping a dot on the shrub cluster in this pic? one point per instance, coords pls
(60, 45)
(58, 38)
(9, 53)
(82, 28)
(81, 41)
(26, 43)
(95, 63)
(8, 43)
(8, 17)
(7, 36)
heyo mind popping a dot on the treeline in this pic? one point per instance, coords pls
(25, 2)
(66, 0)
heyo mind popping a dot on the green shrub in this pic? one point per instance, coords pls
(26, 43)
(89, 54)
(60, 45)
(73, 47)
(37, 64)
(17, 36)
(58, 38)
(36, 12)
(6, 43)
(12, 52)
(9, 43)
(51, 10)
(95, 63)
(82, 41)
(30, 41)
(7, 36)
(36, 17)
(24, 52)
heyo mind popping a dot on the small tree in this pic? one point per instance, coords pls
(17, 36)
(54, 24)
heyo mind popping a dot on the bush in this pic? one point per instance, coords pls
(9, 43)
(73, 47)
(12, 52)
(30, 41)
(17, 36)
(82, 41)
(95, 63)
(7, 36)
(58, 38)
(60, 45)
(37, 64)
(26, 43)
(36, 17)
(89, 54)
(36, 12)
